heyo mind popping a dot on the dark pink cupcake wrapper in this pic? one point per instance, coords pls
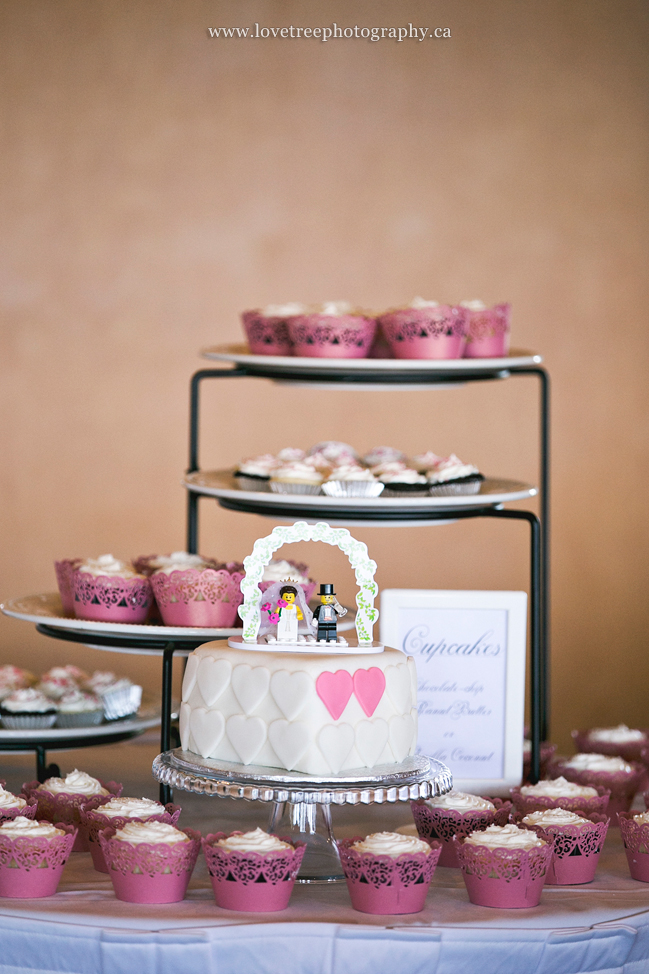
(27, 811)
(109, 598)
(93, 822)
(198, 597)
(66, 807)
(266, 335)
(250, 881)
(150, 872)
(504, 878)
(636, 846)
(425, 333)
(586, 807)
(31, 867)
(445, 823)
(576, 850)
(331, 336)
(622, 785)
(630, 751)
(384, 885)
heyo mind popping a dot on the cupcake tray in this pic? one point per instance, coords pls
(371, 370)
(222, 485)
(301, 803)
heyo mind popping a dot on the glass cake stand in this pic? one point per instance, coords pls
(301, 803)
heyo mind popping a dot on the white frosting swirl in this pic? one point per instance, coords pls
(451, 468)
(334, 308)
(283, 310)
(297, 472)
(425, 461)
(642, 818)
(78, 702)
(391, 844)
(178, 561)
(335, 451)
(7, 800)
(473, 305)
(505, 836)
(20, 826)
(598, 762)
(461, 801)
(255, 841)
(279, 570)
(131, 808)
(383, 454)
(107, 565)
(153, 832)
(421, 303)
(290, 453)
(559, 788)
(75, 783)
(28, 700)
(554, 816)
(616, 735)
(351, 471)
(260, 466)
(405, 476)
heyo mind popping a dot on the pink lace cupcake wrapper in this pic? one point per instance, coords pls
(343, 336)
(27, 811)
(445, 823)
(576, 850)
(636, 846)
(149, 859)
(104, 597)
(266, 335)
(93, 822)
(203, 597)
(64, 577)
(630, 751)
(32, 867)
(66, 807)
(489, 323)
(621, 784)
(387, 885)
(581, 805)
(504, 878)
(251, 881)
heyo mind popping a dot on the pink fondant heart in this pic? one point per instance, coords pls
(335, 689)
(369, 686)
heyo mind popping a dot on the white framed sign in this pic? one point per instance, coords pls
(469, 648)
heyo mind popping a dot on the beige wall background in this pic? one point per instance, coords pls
(157, 182)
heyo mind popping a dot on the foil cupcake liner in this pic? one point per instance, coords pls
(85, 718)
(283, 487)
(352, 488)
(456, 488)
(28, 721)
(246, 482)
(121, 702)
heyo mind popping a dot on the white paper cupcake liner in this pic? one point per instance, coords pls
(121, 702)
(28, 721)
(455, 489)
(352, 488)
(84, 718)
(285, 488)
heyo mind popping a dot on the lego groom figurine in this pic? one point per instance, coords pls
(327, 614)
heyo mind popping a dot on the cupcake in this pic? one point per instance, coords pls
(150, 862)
(109, 590)
(27, 709)
(352, 480)
(450, 477)
(202, 596)
(148, 564)
(504, 866)
(64, 579)
(14, 678)
(299, 477)
(115, 814)
(285, 570)
(425, 461)
(404, 483)
(585, 800)
(79, 709)
(425, 330)
(383, 454)
(61, 799)
(331, 453)
(635, 835)
(487, 329)
(577, 843)
(620, 741)
(32, 857)
(332, 330)
(388, 873)
(456, 813)
(13, 805)
(620, 776)
(252, 871)
(253, 473)
(267, 328)
(59, 681)
(120, 697)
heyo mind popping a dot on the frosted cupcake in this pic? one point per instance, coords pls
(383, 454)
(635, 835)
(403, 483)
(352, 480)
(331, 453)
(119, 695)
(27, 709)
(267, 328)
(253, 473)
(201, 596)
(504, 866)
(456, 813)
(299, 477)
(32, 857)
(487, 329)
(577, 843)
(14, 678)
(116, 813)
(425, 330)
(621, 777)
(109, 590)
(79, 709)
(450, 476)
(388, 873)
(150, 862)
(13, 805)
(621, 741)
(286, 570)
(585, 800)
(252, 871)
(332, 330)
(61, 799)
